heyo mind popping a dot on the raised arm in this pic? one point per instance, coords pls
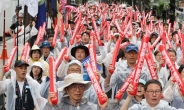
(168, 92)
(2, 73)
(128, 99)
(3, 86)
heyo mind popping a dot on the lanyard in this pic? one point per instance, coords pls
(21, 97)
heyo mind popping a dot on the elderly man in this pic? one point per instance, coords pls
(73, 88)
(21, 90)
(74, 66)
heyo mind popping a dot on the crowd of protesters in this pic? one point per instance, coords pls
(93, 37)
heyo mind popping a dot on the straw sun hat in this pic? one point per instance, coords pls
(74, 78)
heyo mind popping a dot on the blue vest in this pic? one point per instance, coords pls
(24, 101)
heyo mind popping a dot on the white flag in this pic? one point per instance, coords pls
(4, 4)
(32, 6)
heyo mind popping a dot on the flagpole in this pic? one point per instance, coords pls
(4, 50)
(4, 45)
(17, 34)
(24, 24)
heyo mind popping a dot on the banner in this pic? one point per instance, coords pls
(87, 60)
(41, 16)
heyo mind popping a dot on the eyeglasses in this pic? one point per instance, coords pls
(79, 86)
(74, 71)
(152, 92)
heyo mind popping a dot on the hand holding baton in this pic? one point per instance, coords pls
(96, 85)
(75, 32)
(155, 43)
(150, 63)
(62, 33)
(139, 65)
(66, 57)
(40, 34)
(27, 53)
(52, 76)
(182, 43)
(113, 62)
(96, 32)
(61, 55)
(24, 50)
(55, 36)
(121, 91)
(9, 62)
(174, 71)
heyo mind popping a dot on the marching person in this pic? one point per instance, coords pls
(21, 90)
(116, 105)
(35, 56)
(59, 45)
(15, 25)
(37, 71)
(123, 70)
(46, 50)
(152, 101)
(73, 89)
(172, 94)
(30, 31)
(164, 72)
(72, 67)
(158, 58)
(14, 18)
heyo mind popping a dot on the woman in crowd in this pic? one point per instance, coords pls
(35, 56)
(153, 38)
(158, 57)
(172, 94)
(37, 71)
(116, 105)
(85, 39)
(164, 73)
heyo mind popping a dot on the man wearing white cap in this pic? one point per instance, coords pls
(74, 87)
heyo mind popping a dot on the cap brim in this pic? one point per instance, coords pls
(47, 47)
(22, 64)
(141, 83)
(43, 71)
(86, 83)
(131, 49)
